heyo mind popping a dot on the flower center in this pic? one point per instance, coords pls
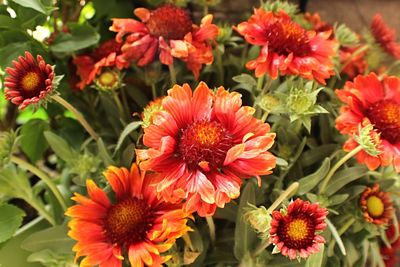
(204, 141)
(375, 206)
(296, 232)
(170, 22)
(127, 221)
(30, 81)
(108, 80)
(385, 116)
(286, 37)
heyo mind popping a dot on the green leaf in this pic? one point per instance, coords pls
(245, 79)
(33, 142)
(54, 238)
(315, 260)
(336, 235)
(245, 236)
(11, 51)
(310, 181)
(128, 129)
(14, 183)
(7, 22)
(10, 221)
(338, 199)
(60, 146)
(343, 177)
(81, 36)
(38, 5)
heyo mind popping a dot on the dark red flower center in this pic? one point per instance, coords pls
(204, 141)
(385, 116)
(296, 232)
(170, 22)
(286, 37)
(128, 221)
(31, 83)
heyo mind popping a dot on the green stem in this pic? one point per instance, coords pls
(354, 54)
(285, 194)
(118, 103)
(267, 86)
(211, 227)
(42, 211)
(337, 166)
(260, 82)
(77, 114)
(341, 231)
(260, 248)
(43, 176)
(154, 91)
(172, 73)
(220, 66)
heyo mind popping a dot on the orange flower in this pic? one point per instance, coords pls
(90, 65)
(376, 205)
(317, 24)
(29, 82)
(167, 30)
(203, 144)
(370, 101)
(136, 224)
(294, 231)
(385, 36)
(287, 47)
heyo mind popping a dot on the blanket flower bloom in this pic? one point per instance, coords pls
(385, 36)
(295, 232)
(168, 31)
(367, 99)
(287, 48)
(89, 66)
(137, 224)
(202, 144)
(29, 82)
(376, 205)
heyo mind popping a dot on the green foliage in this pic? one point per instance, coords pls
(33, 130)
(10, 220)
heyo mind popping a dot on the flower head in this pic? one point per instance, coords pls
(385, 36)
(390, 253)
(287, 48)
(29, 82)
(167, 31)
(202, 144)
(294, 231)
(376, 205)
(136, 224)
(90, 66)
(150, 111)
(371, 101)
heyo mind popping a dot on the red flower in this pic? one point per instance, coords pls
(391, 255)
(317, 24)
(354, 65)
(202, 144)
(287, 47)
(376, 205)
(137, 224)
(368, 100)
(385, 36)
(90, 65)
(167, 30)
(29, 82)
(295, 231)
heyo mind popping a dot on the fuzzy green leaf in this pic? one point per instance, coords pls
(128, 129)
(33, 142)
(343, 177)
(310, 181)
(245, 79)
(60, 146)
(38, 5)
(336, 236)
(10, 221)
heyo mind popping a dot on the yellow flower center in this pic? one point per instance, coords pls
(30, 81)
(375, 206)
(108, 80)
(297, 229)
(127, 221)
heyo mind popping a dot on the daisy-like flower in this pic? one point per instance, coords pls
(385, 36)
(202, 144)
(295, 232)
(371, 101)
(376, 206)
(29, 82)
(167, 31)
(391, 254)
(136, 224)
(89, 66)
(287, 48)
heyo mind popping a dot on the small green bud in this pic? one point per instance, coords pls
(259, 219)
(276, 6)
(108, 80)
(269, 103)
(300, 101)
(369, 139)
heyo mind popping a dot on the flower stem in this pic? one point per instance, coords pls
(41, 210)
(172, 73)
(211, 227)
(77, 114)
(260, 82)
(154, 91)
(220, 65)
(260, 248)
(43, 176)
(285, 194)
(337, 166)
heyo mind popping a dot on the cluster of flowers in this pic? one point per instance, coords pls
(201, 144)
